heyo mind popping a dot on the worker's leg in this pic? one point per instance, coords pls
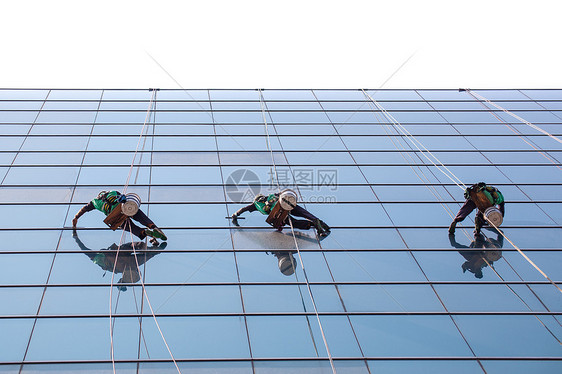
(154, 231)
(129, 225)
(464, 211)
(301, 224)
(479, 221)
(322, 228)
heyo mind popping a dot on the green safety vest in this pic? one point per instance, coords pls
(106, 201)
(266, 207)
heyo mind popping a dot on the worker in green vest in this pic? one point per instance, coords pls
(264, 204)
(106, 201)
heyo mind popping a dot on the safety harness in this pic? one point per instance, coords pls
(492, 193)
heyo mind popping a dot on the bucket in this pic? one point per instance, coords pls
(131, 205)
(288, 199)
(494, 215)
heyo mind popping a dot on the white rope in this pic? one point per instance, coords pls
(149, 303)
(476, 95)
(111, 301)
(296, 243)
(415, 142)
(146, 119)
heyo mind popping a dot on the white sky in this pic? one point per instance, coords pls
(281, 44)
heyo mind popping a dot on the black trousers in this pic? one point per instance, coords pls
(302, 224)
(141, 218)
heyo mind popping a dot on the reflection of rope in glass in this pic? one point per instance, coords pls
(296, 243)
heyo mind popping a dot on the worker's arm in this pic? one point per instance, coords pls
(247, 208)
(86, 208)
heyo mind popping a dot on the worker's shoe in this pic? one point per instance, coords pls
(155, 232)
(452, 227)
(477, 230)
(154, 242)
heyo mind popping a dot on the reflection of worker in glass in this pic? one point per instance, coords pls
(265, 204)
(476, 259)
(106, 201)
(490, 193)
(286, 262)
(126, 261)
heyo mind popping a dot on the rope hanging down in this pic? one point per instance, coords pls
(295, 240)
(478, 96)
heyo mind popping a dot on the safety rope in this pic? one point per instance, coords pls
(478, 96)
(296, 242)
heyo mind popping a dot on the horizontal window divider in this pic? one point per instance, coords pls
(280, 165)
(360, 109)
(274, 314)
(291, 151)
(313, 283)
(260, 124)
(335, 135)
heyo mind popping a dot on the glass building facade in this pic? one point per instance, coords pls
(388, 291)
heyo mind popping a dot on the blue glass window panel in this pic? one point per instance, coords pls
(469, 117)
(209, 337)
(441, 129)
(546, 143)
(113, 175)
(425, 366)
(356, 143)
(416, 117)
(118, 158)
(83, 339)
(41, 175)
(533, 117)
(326, 195)
(339, 95)
(18, 117)
(447, 266)
(70, 105)
(362, 117)
(409, 336)
(411, 193)
(25, 268)
(251, 158)
(517, 157)
(16, 301)
(309, 367)
(288, 298)
(299, 117)
(516, 106)
(234, 95)
(74, 95)
(532, 174)
(49, 158)
(318, 158)
(547, 295)
(543, 94)
(66, 117)
(180, 299)
(191, 215)
(243, 129)
(353, 214)
(69, 368)
(534, 237)
(125, 105)
(238, 117)
(312, 143)
(293, 105)
(543, 193)
(444, 95)
(61, 129)
(373, 266)
(527, 215)
(23, 94)
(14, 130)
(484, 129)
(180, 194)
(182, 105)
(184, 117)
(186, 175)
(182, 94)
(546, 261)
(269, 240)
(374, 157)
(122, 117)
(455, 105)
(551, 105)
(32, 216)
(249, 143)
(184, 143)
(55, 143)
(11, 143)
(35, 195)
(481, 298)
(7, 159)
(364, 129)
(123, 129)
(393, 174)
(522, 367)
(473, 174)
(14, 338)
(300, 129)
(237, 105)
(214, 367)
(45, 240)
(21, 105)
(128, 95)
(520, 336)
(289, 95)
(183, 129)
(405, 105)
(390, 298)
(500, 94)
(411, 214)
(269, 336)
(393, 94)
(524, 129)
(351, 106)
(363, 239)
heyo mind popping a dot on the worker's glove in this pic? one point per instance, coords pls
(235, 219)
